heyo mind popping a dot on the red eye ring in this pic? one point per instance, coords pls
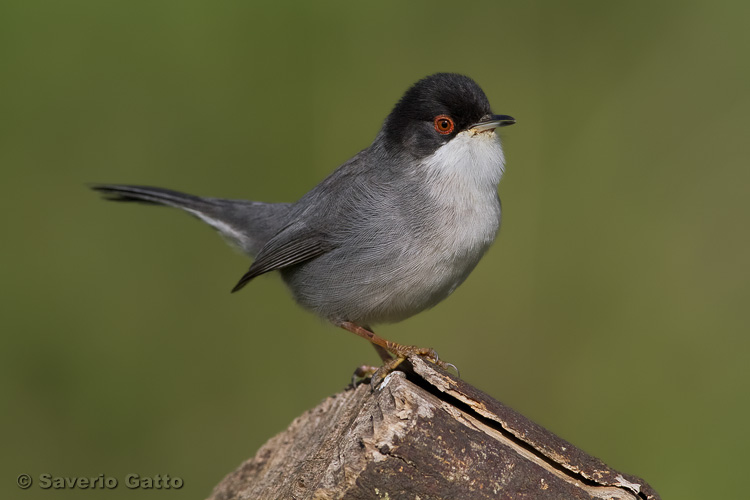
(444, 124)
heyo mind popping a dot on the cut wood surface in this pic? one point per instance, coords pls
(422, 434)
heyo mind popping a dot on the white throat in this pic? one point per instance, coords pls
(468, 163)
(462, 179)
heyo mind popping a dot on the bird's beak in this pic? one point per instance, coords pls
(491, 122)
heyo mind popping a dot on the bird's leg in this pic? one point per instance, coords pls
(385, 356)
(364, 372)
(385, 348)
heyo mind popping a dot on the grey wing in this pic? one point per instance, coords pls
(293, 245)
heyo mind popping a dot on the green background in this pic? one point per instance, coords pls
(613, 309)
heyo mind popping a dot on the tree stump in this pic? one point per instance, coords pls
(422, 434)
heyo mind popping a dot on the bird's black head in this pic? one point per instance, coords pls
(436, 109)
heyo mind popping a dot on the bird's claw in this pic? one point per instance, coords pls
(432, 356)
(362, 373)
(455, 368)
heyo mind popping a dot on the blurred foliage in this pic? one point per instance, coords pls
(612, 310)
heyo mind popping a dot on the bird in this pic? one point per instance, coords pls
(389, 233)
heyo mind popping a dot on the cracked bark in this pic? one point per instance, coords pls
(422, 434)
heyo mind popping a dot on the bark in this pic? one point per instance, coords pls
(422, 434)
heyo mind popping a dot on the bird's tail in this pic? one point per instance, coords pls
(150, 195)
(246, 224)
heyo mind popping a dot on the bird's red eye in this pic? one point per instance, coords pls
(444, 124)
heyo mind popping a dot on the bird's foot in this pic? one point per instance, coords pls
(404, 351)
(382, 372)
(385, 349)
(363, 373)
(389, 366)
(375, 374)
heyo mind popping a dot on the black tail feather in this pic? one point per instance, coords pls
(148, 195)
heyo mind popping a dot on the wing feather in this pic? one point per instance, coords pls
(293, 245)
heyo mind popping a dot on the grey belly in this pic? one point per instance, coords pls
(380, 287)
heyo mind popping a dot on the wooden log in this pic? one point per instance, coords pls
(422, 434)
